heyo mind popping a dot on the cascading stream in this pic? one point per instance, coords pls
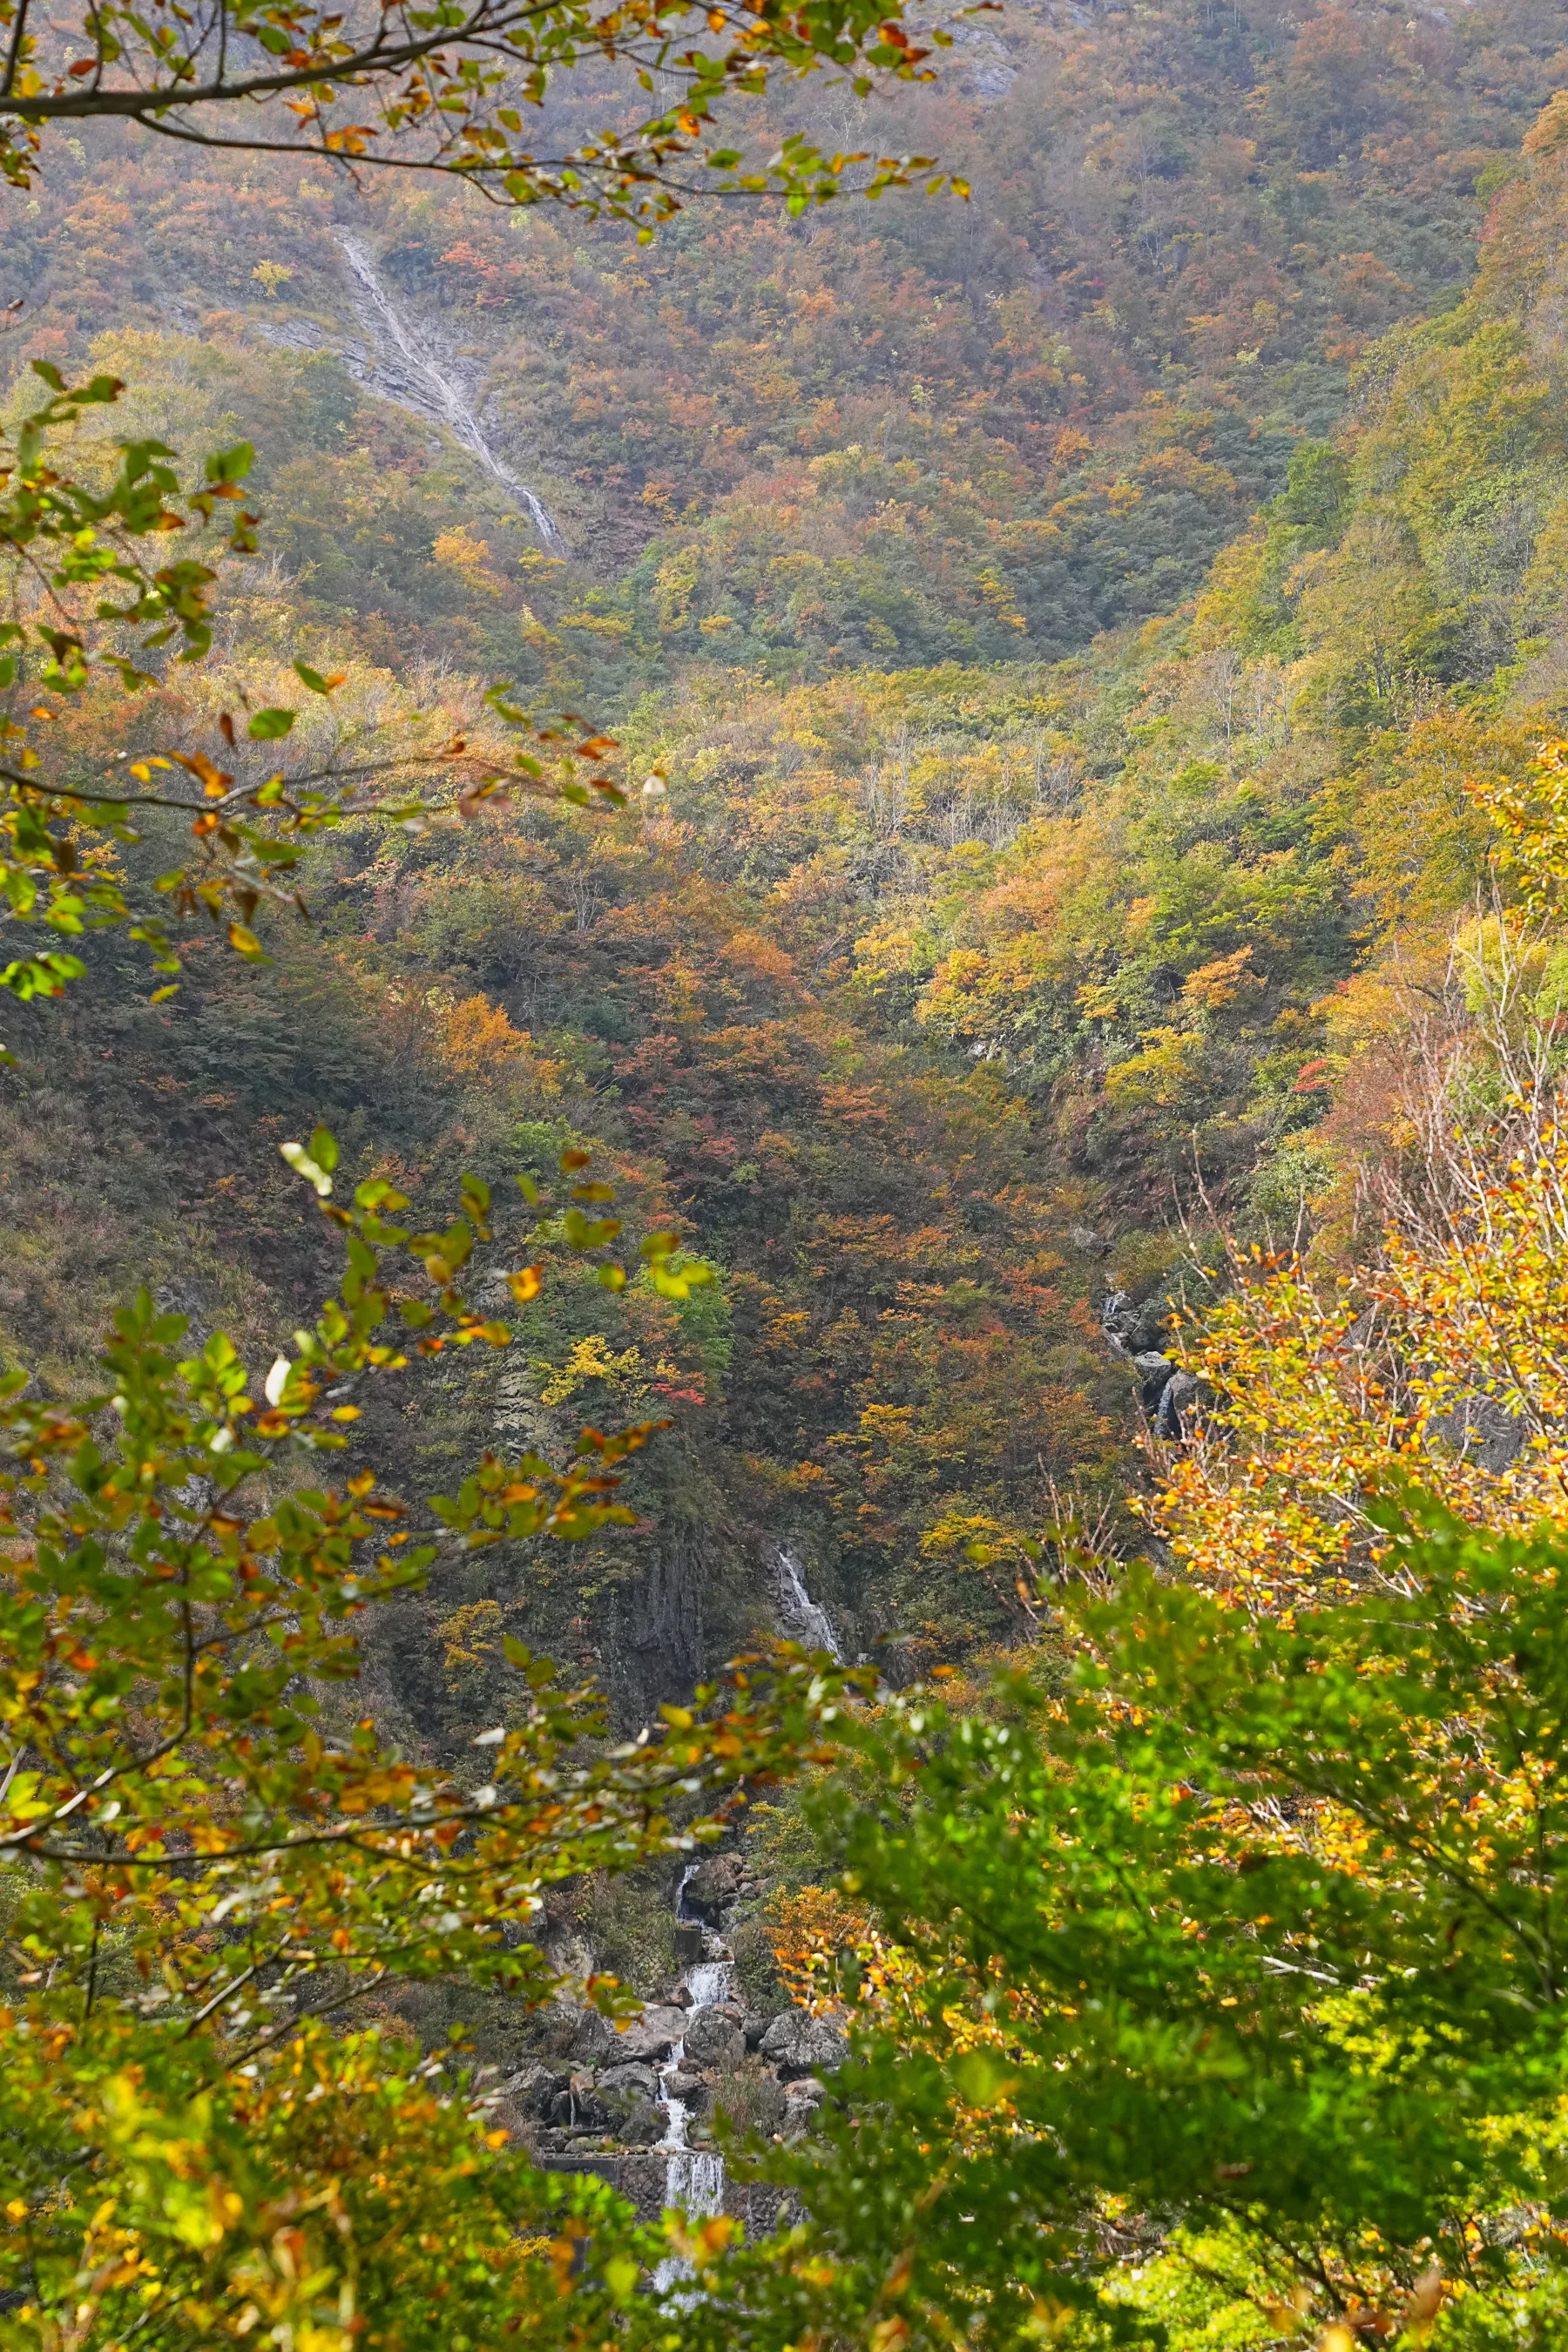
(694, 2177)
(800, 1618)
(432, 392)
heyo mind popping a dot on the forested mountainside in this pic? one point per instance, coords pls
(845, 923)
(879, 435)
(1062, 623)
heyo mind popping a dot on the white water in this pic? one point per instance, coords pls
(694, 2178)
(800, 1618)
(434, 393)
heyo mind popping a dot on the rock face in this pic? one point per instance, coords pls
(798, 2045)
(715, 2040)
(714, 1884)
(1483, 1429)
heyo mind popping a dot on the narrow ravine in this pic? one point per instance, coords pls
(417, 381)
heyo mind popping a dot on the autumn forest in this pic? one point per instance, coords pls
(874, 706)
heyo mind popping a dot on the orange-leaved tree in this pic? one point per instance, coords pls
(1442, 1358)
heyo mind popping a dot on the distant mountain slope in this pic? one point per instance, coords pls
(898, 434)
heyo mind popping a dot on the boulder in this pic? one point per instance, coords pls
(532, 2091)
(632, 2080)
(1178, 1397)
(690, 2089)
(641, 2123)
(714, 1884)
(687, 1941)
(798, 2045)
(577, 2037)
(713, 2039)
(653, 2036)
(803, 2101)
(754, 2025)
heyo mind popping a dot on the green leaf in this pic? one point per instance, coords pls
(231, 465)
(268, 725)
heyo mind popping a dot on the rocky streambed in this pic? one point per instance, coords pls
(639, 2106)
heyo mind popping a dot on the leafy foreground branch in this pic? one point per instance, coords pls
(207, 1862)
(89, 608)
(454, 89)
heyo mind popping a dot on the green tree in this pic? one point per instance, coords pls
(1226, 1980)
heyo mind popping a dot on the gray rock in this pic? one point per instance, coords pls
(690, 2088)
(1483, 1431)
(640, 2124)
(653, 2036)
(635, 2081)
(577, 2037)
(1177, 1396)
(754, 2025)
(714, 1885)
(715, 2040)
(799, 2114)
(798, 2045)
(532, 2091)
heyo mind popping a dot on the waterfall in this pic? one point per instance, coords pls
(426, 390)
(800, 1618)
(694, 2177)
